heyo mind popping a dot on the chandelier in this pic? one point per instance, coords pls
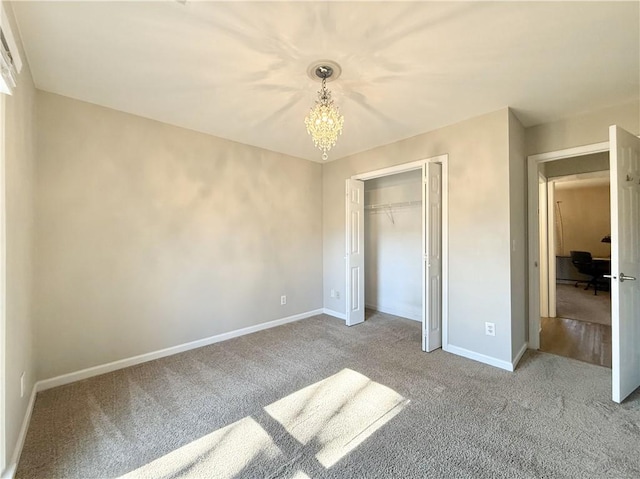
(324, 122)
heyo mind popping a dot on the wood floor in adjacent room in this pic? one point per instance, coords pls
(582, 329)
(577, 339)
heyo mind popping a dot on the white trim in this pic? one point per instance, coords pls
(3, 289)
(13, 465)
(9, 472)
(518, 357)
(482, 358)
(10, 62)
(347, 278)
(552, 241)
(335, 314)
(533, 234)
(395, 312)
(143, 358)
(444, 161)
(543, 242)
(11, 41)
(424, 266)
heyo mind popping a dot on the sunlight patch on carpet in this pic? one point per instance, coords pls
(328, 419)
(223, 453)
(337, 414)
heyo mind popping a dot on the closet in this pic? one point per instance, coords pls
(393, 244)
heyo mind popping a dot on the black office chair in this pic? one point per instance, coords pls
(583, 261)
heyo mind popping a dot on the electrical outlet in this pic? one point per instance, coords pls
(22, 385)
(337, 294)
(333, 293)
(490, 329)
(283, 300)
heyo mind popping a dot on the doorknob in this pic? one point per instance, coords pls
(623, 278)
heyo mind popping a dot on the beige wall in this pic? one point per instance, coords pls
(576, 165)
(150, 236)
(517, 210)
(19, 184)
(479, 225)
(586, 219)
(592, 127)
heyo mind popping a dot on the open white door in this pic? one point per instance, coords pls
(432, 254)
(355, 252)
(625, 262)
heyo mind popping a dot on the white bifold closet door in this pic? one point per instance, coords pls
(355, 251)
(432, 256)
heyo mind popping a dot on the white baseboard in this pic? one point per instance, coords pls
(482, 358)
(143, 358)
(395, 312)
(335, 314)
(45, 384)
(518, 357)
(10, 471)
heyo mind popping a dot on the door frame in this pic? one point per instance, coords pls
(550, 256)
(410, 166)
(4, 456)
(543, 238)
(533, 164)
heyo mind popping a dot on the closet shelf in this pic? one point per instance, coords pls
(401, 204)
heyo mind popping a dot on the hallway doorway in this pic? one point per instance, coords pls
(577, 228)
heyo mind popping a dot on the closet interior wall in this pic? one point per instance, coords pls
(393, 244)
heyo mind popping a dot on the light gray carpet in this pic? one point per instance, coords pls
(581, 304)
(315, 399)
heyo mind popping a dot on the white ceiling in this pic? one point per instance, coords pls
(237, 70)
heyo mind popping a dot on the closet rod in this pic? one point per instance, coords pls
(393, 205)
